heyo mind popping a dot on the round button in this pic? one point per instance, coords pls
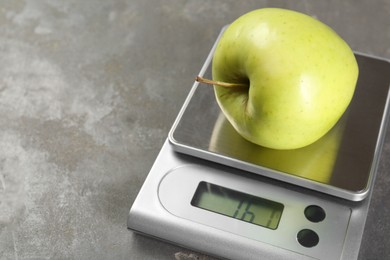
(315, 213)
(308, 238)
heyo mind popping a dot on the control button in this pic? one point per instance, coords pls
(315, 213)
(308, 238)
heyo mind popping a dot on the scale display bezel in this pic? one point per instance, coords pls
(176, 199)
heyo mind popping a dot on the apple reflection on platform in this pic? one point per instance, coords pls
(314, 162)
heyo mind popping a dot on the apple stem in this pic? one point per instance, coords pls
(219, 83)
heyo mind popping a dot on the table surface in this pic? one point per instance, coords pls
(88, 93)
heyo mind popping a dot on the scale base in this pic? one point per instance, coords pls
(148, 216)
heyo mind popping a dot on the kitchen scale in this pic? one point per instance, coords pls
(212, 191)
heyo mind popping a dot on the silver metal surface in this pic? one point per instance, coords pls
(153, 214)
(341, 163)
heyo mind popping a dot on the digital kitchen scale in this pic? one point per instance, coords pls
(214, 192)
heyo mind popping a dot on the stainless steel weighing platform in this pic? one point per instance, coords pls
(211, 191)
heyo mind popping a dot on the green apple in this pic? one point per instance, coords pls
(286, 78)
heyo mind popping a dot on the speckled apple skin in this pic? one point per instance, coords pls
(301, 77)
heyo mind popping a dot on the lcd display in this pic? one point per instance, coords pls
(238, 205)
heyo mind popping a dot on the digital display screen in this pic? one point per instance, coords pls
(238, 205)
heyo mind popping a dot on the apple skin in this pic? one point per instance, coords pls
(300, 77)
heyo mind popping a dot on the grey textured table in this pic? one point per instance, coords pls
(88, 92)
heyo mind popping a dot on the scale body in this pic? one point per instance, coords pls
(204, 192)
